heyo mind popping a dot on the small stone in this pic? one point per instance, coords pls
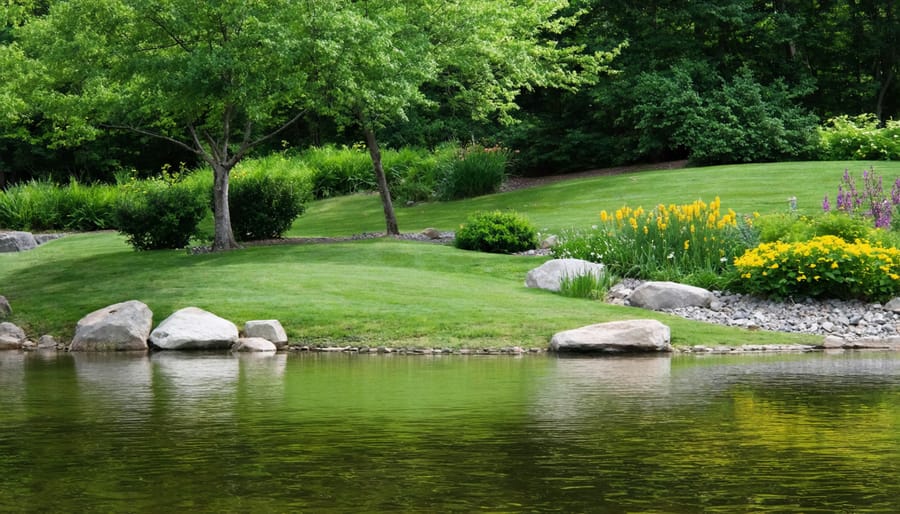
(47, 342)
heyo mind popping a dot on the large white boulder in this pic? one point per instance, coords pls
(16, 241)
(11, 336)
(192, 328)
(550, 275)
(669, 295)
(639, 335)
(120, 327)
(268, 329)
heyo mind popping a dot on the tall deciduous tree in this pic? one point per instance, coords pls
(381, 55)
(216, 78)
(220, 77)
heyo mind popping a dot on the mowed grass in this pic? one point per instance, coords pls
(397, 293)
(763, 188)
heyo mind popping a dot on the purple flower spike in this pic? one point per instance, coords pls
(825, 205)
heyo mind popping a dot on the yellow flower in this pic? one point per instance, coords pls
(834, 265)
(687, 244)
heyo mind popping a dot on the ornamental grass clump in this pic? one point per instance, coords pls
(666, 242)
(823, 267)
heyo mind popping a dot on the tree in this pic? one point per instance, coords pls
(383, 55)
(215, 78)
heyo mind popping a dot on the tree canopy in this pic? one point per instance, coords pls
(219, 78)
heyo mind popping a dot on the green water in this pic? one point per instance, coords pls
(340, 433)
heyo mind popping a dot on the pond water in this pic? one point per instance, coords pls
(220, 433)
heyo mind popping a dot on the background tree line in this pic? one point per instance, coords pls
(712, 81)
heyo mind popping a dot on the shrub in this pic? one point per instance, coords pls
(793, 228)
(43, 205)
(156, 214)
(476, 171)
(825, 266)
(674, 242)
(497, 232)
(266, 196)
(412, 173)
(859, 138)
(689, 108)
(339, 171)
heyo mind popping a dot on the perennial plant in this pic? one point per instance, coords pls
(665, 242)
(823, 267)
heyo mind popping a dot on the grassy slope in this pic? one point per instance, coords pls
(394, 292)
(746, 188)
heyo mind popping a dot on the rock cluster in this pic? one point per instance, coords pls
(847, 319)
(126, 326)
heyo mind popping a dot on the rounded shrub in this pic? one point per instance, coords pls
(497, 232)
(264, 206)
(155, 214)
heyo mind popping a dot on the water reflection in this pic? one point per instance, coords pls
(258, 433)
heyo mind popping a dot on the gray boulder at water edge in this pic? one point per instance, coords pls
(639, 335)
(268, 329)
(5, 308)
(194, 329)
(16, 241)
(550, 275)
(253, 344)
(11, 336)
(669, 295)
(120, 327)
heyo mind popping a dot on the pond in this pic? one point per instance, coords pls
(351, 433)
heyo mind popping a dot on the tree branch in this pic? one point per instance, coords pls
(197, 150)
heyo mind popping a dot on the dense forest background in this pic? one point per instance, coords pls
(711, 81)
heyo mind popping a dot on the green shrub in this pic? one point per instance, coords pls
(156, 214)
(411, 172)
(266, 196)
(825, 266)
(794, 228)
(859, 138)
(688, 108)
(476, 171)
(339, 171)
(497, 232)
(42, 205)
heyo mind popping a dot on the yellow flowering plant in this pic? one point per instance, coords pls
(825, 266)
(667, 241)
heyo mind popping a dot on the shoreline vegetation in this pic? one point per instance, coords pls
(387, 292)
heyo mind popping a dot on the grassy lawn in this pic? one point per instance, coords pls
(764, 188)
(394, 292)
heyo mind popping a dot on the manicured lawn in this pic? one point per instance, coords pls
(746, 188)
(396, 292)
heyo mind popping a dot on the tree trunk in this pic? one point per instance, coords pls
(224, 237)
(882, 92)
(390, 218)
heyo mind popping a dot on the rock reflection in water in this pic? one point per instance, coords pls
(577, 384)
